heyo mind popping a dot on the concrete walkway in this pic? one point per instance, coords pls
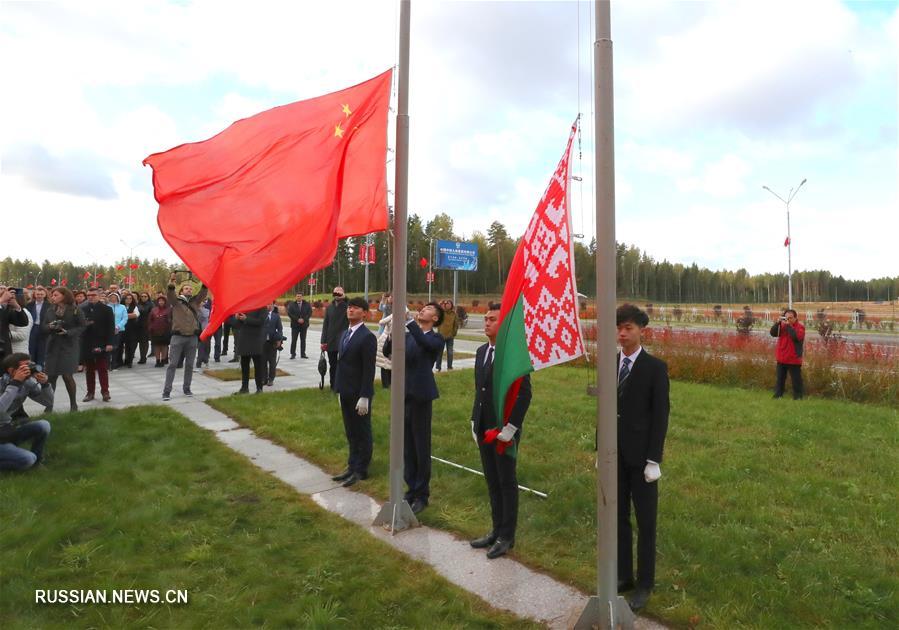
(504, 583)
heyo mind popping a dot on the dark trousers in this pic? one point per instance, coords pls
(143, 344)
(632, 487)
(270, 360)
(795, 376)
(203, 348)
(502, 486)
(448, 343)
(417, 449)
(114, 359)
(258, 367)
(332, 367)
(226, 333)
(96, 364)
(37, 347)
(130, 346)
(385, 378)
(216, 345)
(301, 331)
(358, 435)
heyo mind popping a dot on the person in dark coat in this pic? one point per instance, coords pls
(300, 312)
(643, 408)
(423, 345)
(355, 386)
(248, 345)
(63, 324)
(144, 306)
(499, 467)
(37, 340)
(132, 328)
(96, 343)
(274, 335)
(335, 323)
(11, 312)
(159, 325)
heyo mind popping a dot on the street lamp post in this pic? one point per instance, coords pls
(790, 196)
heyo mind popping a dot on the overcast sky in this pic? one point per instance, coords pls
(712, 101)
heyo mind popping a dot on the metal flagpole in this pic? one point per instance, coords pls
(365, 258)
(455, 287)
(396, 515)
(606, 609)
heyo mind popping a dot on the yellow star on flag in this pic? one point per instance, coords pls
(346, 110)
(338, 131)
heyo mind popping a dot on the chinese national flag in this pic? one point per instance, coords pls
(134, 265)
(264, 202)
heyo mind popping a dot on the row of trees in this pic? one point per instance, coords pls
(639, 276)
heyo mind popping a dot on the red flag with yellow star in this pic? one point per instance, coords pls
(263, 203)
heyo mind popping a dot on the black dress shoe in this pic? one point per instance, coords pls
(638, 600)
(500, 548)
(342, 476)
(483, 542)
(625, 586)
(418, 506)
(351, 480)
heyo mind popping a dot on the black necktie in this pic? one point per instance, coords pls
(346, 340)
(488, 360)
(624, 372)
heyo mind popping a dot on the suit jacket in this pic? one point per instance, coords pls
(483, 413)
(334, 324)
(422, 350)
(37, 337)
(251, 337)
(355, 376)
(100, 328)
(643, 410)
(297, 311)
(274, 330)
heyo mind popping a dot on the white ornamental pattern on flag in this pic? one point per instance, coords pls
(549, 294)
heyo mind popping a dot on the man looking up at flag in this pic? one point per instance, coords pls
(642, 424)
(423, 345)
(499, 466)
(185, 328)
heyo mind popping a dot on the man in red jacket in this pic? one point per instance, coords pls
(790, 335)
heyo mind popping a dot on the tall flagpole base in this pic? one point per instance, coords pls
(606, 615)
(396, 517)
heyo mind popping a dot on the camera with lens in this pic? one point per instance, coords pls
(56, 326)
(32, 367)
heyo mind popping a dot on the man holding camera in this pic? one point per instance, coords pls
(185, 331)
(334, 325)
(788, 352)
(21, 380)
(96, 344)
(10, 313)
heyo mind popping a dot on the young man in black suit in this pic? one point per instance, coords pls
(354, 382)
(499, 469)
(423, 345)
(642, 424)
(300, 312)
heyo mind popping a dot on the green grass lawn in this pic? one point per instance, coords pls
(143, 499)
(773, 513)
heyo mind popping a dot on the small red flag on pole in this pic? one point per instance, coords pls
(787, 242)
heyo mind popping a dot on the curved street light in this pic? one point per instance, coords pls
(786, 202)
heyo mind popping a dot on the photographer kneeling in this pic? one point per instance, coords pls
(20, 380)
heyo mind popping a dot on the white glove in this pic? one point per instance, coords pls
(652, 472)
(474, 434)
(507, 433)
(362, 406)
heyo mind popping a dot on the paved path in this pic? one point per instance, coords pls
(504, 583)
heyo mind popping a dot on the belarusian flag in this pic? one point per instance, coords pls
(539, 324)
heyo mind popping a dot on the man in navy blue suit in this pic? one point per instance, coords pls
(423, 345)
(643, 408)
(354, 383)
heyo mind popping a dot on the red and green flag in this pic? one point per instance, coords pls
(539, 324)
